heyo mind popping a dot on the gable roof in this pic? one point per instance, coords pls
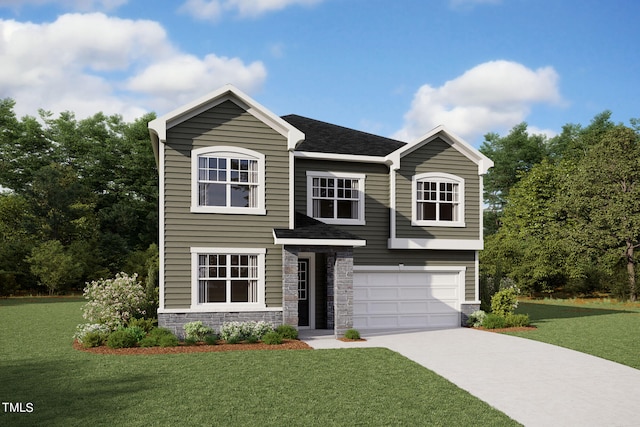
(322, 137)
(158, 127)
(440, 132)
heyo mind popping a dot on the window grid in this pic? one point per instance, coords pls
(227, 278)
(336, 198)
(226, 181)
(437, 201)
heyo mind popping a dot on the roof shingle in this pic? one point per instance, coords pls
(321, 137)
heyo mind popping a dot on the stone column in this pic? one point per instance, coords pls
(290, 285)
(343, 290)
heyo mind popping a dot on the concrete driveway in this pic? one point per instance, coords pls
(534, 383)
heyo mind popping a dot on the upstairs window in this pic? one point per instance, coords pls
(228, 180)
(336, 198)
(438, 199)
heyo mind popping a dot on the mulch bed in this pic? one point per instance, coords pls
(198, 348)
(518, 329)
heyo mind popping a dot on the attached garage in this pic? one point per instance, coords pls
(407, 297)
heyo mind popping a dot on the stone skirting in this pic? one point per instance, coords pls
(176, 321)
(465, 310)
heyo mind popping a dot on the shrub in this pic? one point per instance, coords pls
(252, 339)
(190, 341)
(494, 321)
(84, 329)
(94, 339)
(272, 338)
(146, 324)
(517, 320)
(121, 339)
(504, 302)
(476, 318)
(168, 341)
(149, 341)
(288, 332)
(352, 334)
(211, 339)
(234, 339)
(240, 331)
(136, 332)
(114, 302)
(196, 331)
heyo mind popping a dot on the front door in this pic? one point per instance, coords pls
(303, 292)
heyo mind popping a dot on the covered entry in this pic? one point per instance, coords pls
(407, 297)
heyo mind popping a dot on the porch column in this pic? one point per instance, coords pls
(343, 291)
(290, 285)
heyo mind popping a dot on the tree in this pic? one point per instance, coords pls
(53, 266)
(602, 198)
(513, 156)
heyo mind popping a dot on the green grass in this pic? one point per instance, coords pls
(310, 388)
(600, 327)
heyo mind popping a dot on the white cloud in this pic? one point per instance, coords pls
(490, 96)
(88, 63)
(212, 10)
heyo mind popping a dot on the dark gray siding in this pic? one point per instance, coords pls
(225, 124)
(438, 156)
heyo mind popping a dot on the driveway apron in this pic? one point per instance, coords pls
(534, 383)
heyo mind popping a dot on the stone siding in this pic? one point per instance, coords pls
(176, 321)
(466, 310)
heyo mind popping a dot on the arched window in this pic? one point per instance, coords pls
(438, 200)
(227, 180)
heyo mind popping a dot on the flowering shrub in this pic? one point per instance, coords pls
(476, 318)
(196, 331)
(504, 302)
(85, 329)
(113, 302)
(240, 331)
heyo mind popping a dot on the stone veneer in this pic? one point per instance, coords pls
(176, 321)
(339, 285)
(466, 310)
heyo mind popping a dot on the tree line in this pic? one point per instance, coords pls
(79, 199)
(563, 213)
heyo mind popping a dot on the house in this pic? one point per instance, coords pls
(292, 220)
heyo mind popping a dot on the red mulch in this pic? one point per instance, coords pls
(198, 348)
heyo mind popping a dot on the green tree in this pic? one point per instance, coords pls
(602, 198)
(53, 266)
(513, 156)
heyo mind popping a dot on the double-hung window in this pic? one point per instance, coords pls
(438, 199)
(228, 277)
(227, 180)
(335, 197)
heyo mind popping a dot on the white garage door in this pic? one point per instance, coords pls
(407, 298)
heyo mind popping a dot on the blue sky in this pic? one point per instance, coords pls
(395, 68)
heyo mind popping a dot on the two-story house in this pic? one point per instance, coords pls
(297, 221)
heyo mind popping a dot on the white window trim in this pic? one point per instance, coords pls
(253, 306)
(228, 151)
(437, 177)
(340, 175)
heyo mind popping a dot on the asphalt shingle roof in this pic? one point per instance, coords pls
(309, 228)
(321, 137)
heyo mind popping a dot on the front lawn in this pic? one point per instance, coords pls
(321, 387)
(602, 328)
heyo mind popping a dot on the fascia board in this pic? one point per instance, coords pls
(225, 93)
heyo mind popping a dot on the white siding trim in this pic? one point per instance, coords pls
(345, 175)
(446, 244)
(161, 228)
(260, 305)
(437, 177)
(228, 151)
